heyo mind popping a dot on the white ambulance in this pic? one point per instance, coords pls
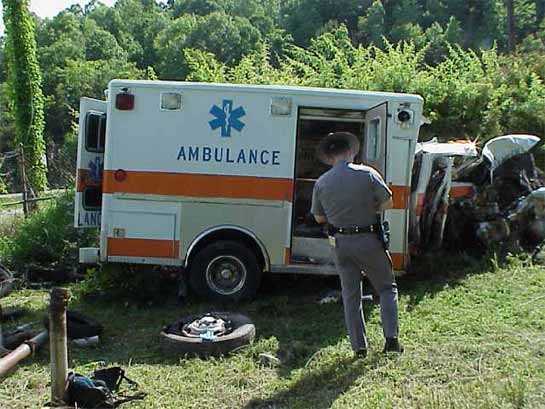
(216, 179)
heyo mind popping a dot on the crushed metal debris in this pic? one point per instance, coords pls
(464, 201)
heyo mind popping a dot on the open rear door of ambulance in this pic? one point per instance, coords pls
(374, 146)
(90, 164)
(375, 154)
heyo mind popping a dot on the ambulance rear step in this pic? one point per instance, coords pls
(326, 269)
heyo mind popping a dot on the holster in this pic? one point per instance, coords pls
(384, 233)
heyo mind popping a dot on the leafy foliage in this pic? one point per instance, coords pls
(47, 237)
(467, 95)
(228, 38)
(25, 85)
(3, 187)
(142, 284)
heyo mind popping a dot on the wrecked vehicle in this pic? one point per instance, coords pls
(468, 202)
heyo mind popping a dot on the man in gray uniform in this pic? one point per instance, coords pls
(348, 198)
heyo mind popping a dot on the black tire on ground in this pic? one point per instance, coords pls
(78, 325)
(173, 341)
(230, 258)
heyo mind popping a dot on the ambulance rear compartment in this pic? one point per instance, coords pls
(309, 239)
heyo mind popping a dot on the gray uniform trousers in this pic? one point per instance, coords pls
(364, 252)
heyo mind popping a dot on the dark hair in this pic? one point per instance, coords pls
(336, 143)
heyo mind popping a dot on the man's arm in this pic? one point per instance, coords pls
(320, 219)
(317, 209)
(382, 193)
(388, 204)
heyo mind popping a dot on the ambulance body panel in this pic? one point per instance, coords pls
(183, 162)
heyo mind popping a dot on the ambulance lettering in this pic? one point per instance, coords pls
(227, 155)
(227, 118)
(89, 218)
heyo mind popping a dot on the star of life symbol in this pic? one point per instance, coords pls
(95, 169)
(226, 118)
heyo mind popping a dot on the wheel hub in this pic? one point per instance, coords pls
(226, 275)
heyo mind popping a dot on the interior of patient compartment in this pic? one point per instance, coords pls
(309, 240)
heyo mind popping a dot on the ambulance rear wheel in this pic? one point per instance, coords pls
(225, 270)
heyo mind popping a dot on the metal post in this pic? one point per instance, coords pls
(23, 178)
(58, 344)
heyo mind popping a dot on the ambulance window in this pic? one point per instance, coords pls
(95, 131)
(92, 198)
(373, 139)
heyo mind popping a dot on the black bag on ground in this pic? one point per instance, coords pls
(84, 392)
(78, 325)
(100, 389)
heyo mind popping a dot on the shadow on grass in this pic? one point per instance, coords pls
(432, 273)
(320, 388)
(300, 325)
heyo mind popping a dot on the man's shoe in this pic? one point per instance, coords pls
(392, 345)
(361, 353)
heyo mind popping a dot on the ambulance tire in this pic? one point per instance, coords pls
(235, 256)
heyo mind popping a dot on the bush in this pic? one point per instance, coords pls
(3, 187)
(140, 283)
(47, 237)
(468, 94)
(8, 228)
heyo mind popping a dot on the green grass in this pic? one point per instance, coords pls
(473, 340)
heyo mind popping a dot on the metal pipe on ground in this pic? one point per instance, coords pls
(58, 344)
(24, 350)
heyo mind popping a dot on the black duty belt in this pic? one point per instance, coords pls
(354, 229)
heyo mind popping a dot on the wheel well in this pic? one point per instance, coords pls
(229, 234)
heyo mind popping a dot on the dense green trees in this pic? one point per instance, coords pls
(476, 95)
(337, 43)
(227, 37)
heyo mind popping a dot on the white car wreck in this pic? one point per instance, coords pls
(465, 201)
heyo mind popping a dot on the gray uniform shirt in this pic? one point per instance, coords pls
(349, 195)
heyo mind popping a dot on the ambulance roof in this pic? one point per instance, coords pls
(276, 89)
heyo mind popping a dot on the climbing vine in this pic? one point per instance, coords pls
(25, 83)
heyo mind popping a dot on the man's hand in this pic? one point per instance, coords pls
(387, 205)
(320, 219)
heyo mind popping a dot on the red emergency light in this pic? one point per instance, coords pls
(124, 101)
(120, 175)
